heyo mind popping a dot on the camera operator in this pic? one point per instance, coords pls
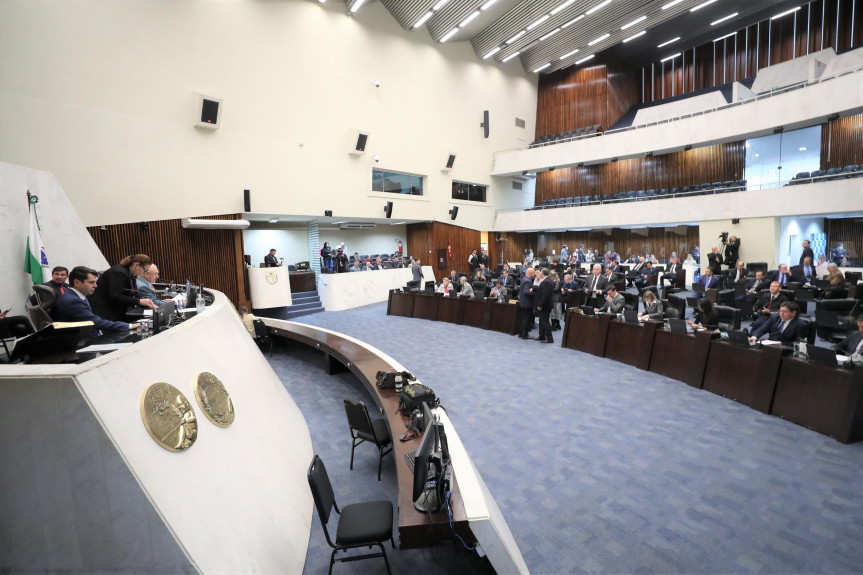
(732, 247)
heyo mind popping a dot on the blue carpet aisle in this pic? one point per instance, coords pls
(599, 467)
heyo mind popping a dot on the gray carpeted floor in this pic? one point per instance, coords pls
(598, 467)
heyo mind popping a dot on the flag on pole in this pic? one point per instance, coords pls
(36, 262)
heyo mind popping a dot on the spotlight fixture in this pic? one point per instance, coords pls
(779, 130)
(833, 117)
(613, 159)
(687, 147)
(581, 164)
(648, 155)
(144, 225)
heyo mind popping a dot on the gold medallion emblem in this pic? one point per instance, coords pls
(169, 417)
(272, 278)
(214, 399)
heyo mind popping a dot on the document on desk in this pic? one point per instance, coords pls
(103, 347)
(770, 342)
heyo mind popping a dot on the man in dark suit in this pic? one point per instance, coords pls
(785, 327)
(58, 280)
(709, 281)
(780, 275)
(647, 271)
(768, 304)
(732, 247)
(483, 257)
(807, 253)
(610, 278)
(73, 304)
(270, 259)
(542, 304)
(714, 261)
(525, 303)
(853, 344)
(614, 302)
(634, 272)
(594, 285)
(671, 270)
(506, 281)
(753, 287)
(417, 271)
(805, 272)
(473, 261)
(117, 291)
(738, 276)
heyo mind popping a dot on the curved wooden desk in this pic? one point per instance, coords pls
(476, 516)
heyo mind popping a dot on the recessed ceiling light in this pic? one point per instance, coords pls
(672, 3)
(274, 221)
(538, 22)
(802, 149)
(634, 36)
(786, 13)
(449, 35)
(439, 5)
(597, 40)
(423, 20)
(568, 54)
(487, 4)
(492, 53)
(573, 21)
(672, 41)
(543, 67)
(597, 7)
(633, 23)
(702, 5)
(468, 19)
(585, 59)
(561, 7)
(510, 57)
(516, 37)
(670, 57)
(550, 34)
(729, 17)
(356, 6)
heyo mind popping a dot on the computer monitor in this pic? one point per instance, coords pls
(162, 316)
(427, 466)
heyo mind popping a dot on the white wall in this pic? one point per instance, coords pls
(67, 242)
(291, 244)
(792, 232)
(758, 239)
(381, 240)
(101, 94)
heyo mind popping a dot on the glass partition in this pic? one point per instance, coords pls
(397, 183)
(772, 161)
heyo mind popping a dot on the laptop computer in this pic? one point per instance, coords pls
(587, 310)
(822, 355)
(678, 325)
(630, 316)
(739, 338)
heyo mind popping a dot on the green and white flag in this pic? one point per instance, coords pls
(36, 262)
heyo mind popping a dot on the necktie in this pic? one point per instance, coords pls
(781, 326)
(62, 290)
(781, 279)
(770, 303)
(593, 287)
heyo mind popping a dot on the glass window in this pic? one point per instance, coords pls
(468, 192)
(397, 183)
(772, 161)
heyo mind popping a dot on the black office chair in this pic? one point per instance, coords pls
(262, 335)
(14, 327)
(677, 303)
(631, 300)
(360, 524)
(363, 428)
(729, 317)
(40, 304)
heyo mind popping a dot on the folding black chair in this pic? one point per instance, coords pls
(363, 428)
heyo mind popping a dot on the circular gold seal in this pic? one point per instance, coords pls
(169, 417)
(272, 278)
(214, 399)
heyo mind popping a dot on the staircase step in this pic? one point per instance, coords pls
(305, 305)
(299, 313)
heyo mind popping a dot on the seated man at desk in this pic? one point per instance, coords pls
(270, 259)
(466, 288)
(853, 344)
(73, 305)
(671, 272)
(768, 303)
(145, 283)
(785, 327)
(117, 292)
(614, 302)
(709, 281)
(805, 272)
(753, 288)
(498, 291)
(646, 272)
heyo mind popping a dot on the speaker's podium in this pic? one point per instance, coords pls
(269, 287)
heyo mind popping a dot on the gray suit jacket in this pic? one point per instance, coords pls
(417, 270)
(615, 305)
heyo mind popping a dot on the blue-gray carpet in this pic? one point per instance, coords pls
(598, 467)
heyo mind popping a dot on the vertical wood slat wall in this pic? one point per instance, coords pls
(717, 163)
(842, 142)
(211, 257)
(626, 242)
(427, 238)
(766, 43)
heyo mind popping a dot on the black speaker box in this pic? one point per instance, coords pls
(453, 213)
(484, 123)
(388, 209)
(247, 200)
(328, 213)
(361, 142)
(450, 161)
(209, 112)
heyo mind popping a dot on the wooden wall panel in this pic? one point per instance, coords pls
(658, 241)
(842, 142)
(424, 240)
(623, 91)
(512, 244)
(211, 257)
(717, 163)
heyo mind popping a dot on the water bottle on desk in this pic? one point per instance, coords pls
(200, 304)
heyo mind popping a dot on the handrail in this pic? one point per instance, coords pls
(742, 101)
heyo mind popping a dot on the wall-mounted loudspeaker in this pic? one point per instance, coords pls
(453, 213)
(207, 110)
(359, 142)
(247, 200)
(450, 162)
(388, 209)
(735, 220)
(328, 213)
(484, 124)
